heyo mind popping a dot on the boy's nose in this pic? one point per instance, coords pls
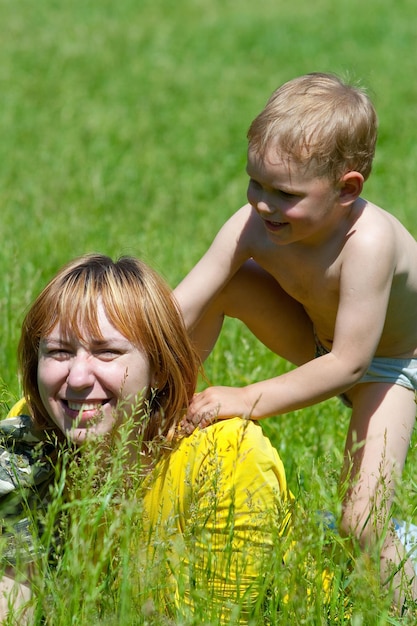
(80, 373)
(263, 206)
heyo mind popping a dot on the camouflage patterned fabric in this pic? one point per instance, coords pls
(26, 471)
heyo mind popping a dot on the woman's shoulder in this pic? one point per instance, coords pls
(18, 428)
(233, 437)
(25, 459)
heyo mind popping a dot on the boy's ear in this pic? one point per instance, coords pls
(350, 187)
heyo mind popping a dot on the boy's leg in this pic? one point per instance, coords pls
(382, 421)
(276, 319)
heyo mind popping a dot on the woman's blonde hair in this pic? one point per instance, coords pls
(321, 123)
(140, 305)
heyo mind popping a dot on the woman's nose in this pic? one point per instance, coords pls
(80, 372)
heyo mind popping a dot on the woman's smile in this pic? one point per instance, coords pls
(84, 410)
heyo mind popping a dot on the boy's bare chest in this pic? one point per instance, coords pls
(312, 282)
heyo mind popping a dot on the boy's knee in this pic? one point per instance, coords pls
(348, 524)
(361, 525)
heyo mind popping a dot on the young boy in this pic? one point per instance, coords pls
(328, 281)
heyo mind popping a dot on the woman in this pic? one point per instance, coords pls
(104, 345)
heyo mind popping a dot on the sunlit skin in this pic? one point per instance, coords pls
(294, 206)
(308, 257)
(343, 268)
(82, 383)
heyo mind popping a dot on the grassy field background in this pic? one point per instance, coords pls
(123, 131)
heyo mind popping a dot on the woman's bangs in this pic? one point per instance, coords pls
(77, 316)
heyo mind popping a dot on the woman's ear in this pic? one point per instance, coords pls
(350, 187)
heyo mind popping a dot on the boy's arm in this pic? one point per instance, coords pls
(229, 250)
(365, 285)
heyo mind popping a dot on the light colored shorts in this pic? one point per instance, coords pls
(397, 371)
(383, 370)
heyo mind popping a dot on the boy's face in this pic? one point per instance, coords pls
(294, 204)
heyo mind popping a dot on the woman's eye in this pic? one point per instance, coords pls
(58, 353)
(108, 354)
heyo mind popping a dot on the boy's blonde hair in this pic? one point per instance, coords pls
(321, 123)
(140, 306)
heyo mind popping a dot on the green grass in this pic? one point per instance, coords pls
(122, 130)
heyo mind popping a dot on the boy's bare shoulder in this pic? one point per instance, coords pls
(250, 227)
(244, 216)
(383, 231)
(245, 229)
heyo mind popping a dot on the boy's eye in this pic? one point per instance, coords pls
(286, 194)
(281, 192)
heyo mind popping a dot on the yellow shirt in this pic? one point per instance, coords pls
(19, 408)
(214, 509)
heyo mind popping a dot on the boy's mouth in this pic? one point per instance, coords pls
(275, 225)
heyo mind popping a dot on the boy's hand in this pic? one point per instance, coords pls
(215, 403)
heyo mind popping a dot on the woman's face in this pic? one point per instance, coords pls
(88, 386)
